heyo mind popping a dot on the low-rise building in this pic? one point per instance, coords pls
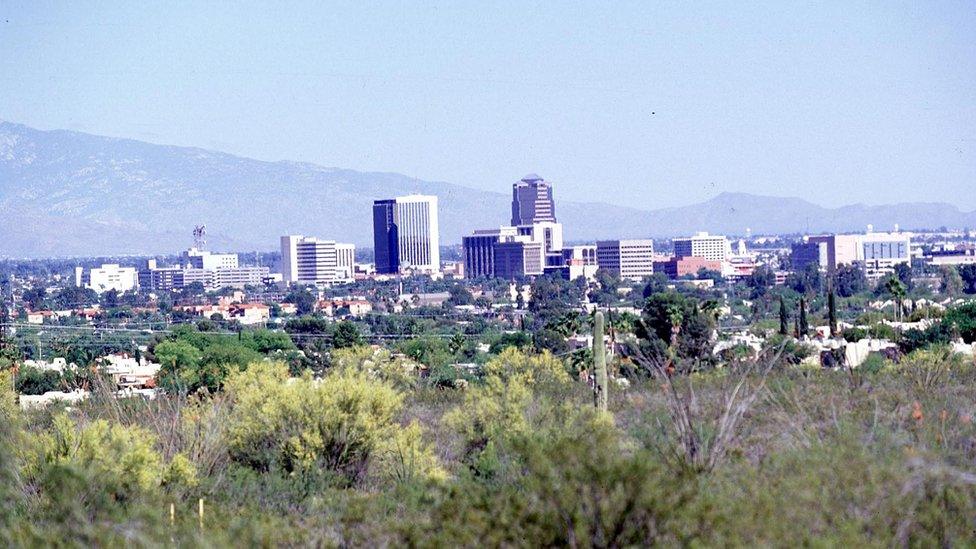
(678, 267)
(628, 259)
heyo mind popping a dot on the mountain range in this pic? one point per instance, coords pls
(65, 193)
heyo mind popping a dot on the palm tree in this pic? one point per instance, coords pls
(898, 291)
(676, 316)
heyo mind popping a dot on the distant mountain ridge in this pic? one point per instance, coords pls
(68, 193)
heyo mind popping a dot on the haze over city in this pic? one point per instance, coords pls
(833, 103)
(497, 274)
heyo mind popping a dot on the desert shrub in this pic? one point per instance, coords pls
(532, 369)
(121, 459)
(872, 364)
(335, 425)
(580, 483)
(844, 491)
(379, 364)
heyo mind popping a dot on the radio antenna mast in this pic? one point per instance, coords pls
(200, 237)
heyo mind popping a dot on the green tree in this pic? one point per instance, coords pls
(804, 325)
(968, 275)
(460, 295)
(897, 290)
(951, 282)
(962, 320)
(849, 280)
(303, 300)
(783, 317)
(346, 334)
(674, 324)
(832, 312)
(904, 272)
(34, 381)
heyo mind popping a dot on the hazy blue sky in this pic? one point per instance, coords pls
(646, 104)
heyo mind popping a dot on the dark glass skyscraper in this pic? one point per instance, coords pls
(532, 201)
(385, 240)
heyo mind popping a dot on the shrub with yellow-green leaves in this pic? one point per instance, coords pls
(120, 461)
(513, 364)
(338, 424)
(508, 404)
(381, 364)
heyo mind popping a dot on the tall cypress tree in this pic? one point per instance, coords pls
(784, 328)
(804, 326)
(832, 312)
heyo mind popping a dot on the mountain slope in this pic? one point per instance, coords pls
(70, 193)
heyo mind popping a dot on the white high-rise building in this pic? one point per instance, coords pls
(289, 258)
(310, 260)
(711, 247)
(345, 261)
(108, 277)
(629, 259)
(406, 234)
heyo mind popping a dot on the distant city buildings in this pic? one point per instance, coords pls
(211, 270)
(406, 234)
(109, 276)
(876, 253)
(528, 247)
(703, 245)
(307, 260)
(628, 259)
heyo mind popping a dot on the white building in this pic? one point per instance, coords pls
(345, 261)
(880, 252)
(406, 233)
(629, 259)
(108, 277)
(202, 259)
(289, 258)
(704, 245)
(547, 233)
(308, 260)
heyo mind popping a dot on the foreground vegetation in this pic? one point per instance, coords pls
(370, 454)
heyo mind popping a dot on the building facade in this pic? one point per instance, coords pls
(109, 276)
(406, 234)
(517, 259)
(308, 260)
(628, 259)
(704, 245)
(202, 259)
(678, 267)
(532, 201)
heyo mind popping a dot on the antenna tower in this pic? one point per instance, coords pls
(200, 237)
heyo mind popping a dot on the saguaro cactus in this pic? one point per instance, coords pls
(599, 364)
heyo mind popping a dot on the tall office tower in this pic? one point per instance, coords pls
(385, 247)
(704, 245)
(532, 201)
(289, 258)
(629, 259)
(406, 234)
